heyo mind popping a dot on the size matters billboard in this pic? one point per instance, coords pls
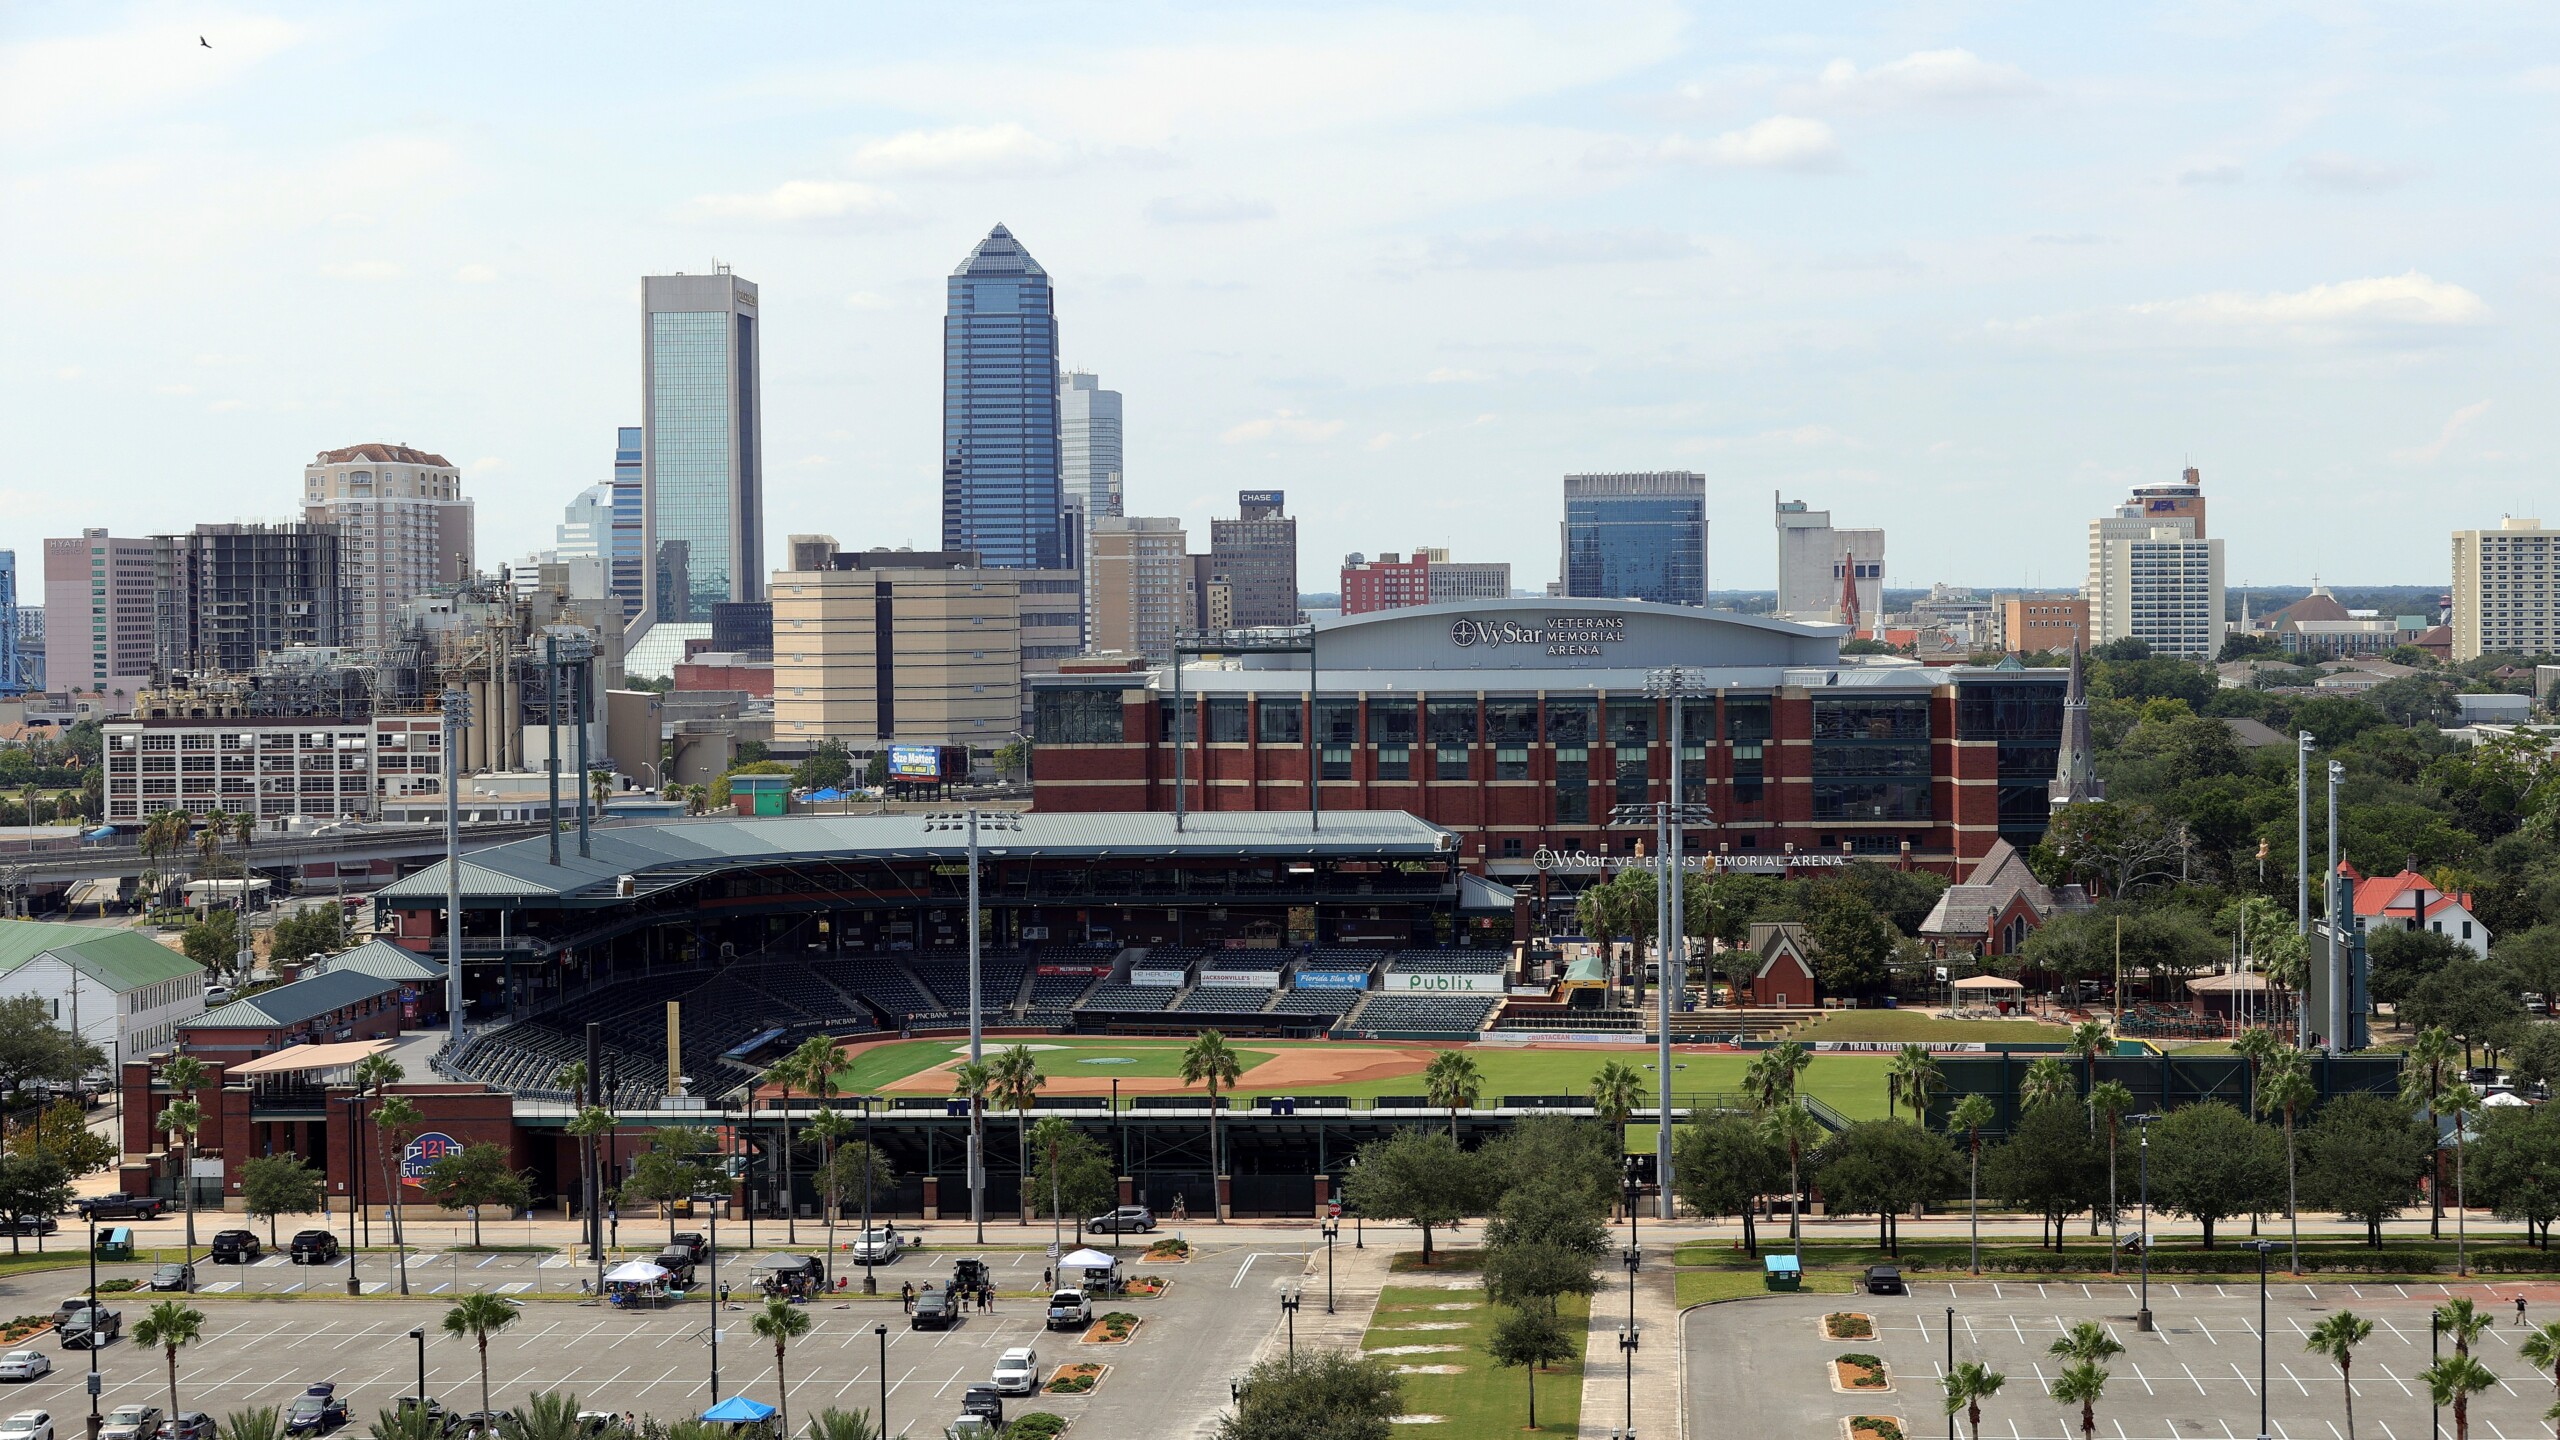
(915, 762)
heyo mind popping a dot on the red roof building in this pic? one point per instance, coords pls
(2410, 901)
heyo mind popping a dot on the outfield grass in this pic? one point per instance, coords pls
(1901, 1025)
(1070, 1056)
(1479, 1400)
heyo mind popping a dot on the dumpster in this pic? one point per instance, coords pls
(115, 1243)
(1785, 1273)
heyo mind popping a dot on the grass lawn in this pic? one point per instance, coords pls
(1701, 1287)
(1476, 1400)
(1891, 1025)
(1853, 1084)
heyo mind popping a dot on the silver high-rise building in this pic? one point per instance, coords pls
(702, 446)
(1089, 462)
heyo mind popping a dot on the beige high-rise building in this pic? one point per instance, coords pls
(2153, 574)
(1142, 584)
(920, 647)
(2506, 589)
(404, 529)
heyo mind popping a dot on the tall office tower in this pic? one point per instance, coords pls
(2506, 589)
(702, 446)
(1819, 567)
(586, 527)
(1636, 536)
(231, 595)
(2153, 576)
(1001, 488)
(1142, 584)
(99, 616)
(13, 679)
(1089, 461)
(627, 580)
(404, 529)
(1257, 554)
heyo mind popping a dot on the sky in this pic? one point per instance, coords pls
(1964, 271)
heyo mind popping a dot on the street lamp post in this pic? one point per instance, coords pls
(2262, 1247)
(1331, 1229)
(870, 1282)
(1289, 1307)
(95, 1420)
(2142, 1124)
(456, 708)
(712, 1288)
(1630, 1338)
(1951, 1365)
(419, 1334)
(2435, 1353)
(882, 1330)
(355, 1184)
(1670, 819)
(970, 822)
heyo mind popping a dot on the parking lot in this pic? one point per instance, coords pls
(1761, 1366)
(434, 1271)
(1168, 1380)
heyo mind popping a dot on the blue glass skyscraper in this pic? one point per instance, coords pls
(702, 445)
(1001, 491)
(626, 582)
(1637, 536)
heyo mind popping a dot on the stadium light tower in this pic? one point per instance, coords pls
(971, 821)
(456, 707)
(1670, 819)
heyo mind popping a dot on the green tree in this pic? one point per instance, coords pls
(273, 1185)
(546, 1415)
(1535, 1274)
(1208, 1061)
(781, 1322)
(834, 1424)
(1320, 1394)
(826, 767)
(2335, 1338)
(61, 1132)
(2515, 1165)
(2050, 1165)
(1970, 1115)
(1792, 1128)
(472, 1178)
(1770, 1078)
(1017, 1081)
(1966, 1387)
(1722, 1164)
(212, 941)
(2452, 1381)
(2362, 1157)
(1070, 1171)
(2532, 959)
(2458, 1102)
(1548, 1213)
(171, 1325)
(2109, 1101)
(2422, 1079)
(2541, 1350)
(2287, 1090)
(2209, 1163)
(1563, 1152)
(2401, 959)
(1886, 1167)
(395, 1118)
(2082, 1384)
(1851, 942)
(1913, 1076)
(2472, 1000)
(591, 1123)
(2047, 1080)
(673, 1168)
(1452, 1080)
(2462, 1319)
(1425, 1180)
(809, 1068)
(180, 1120)
(1532, 1340)
(33, 1047)
(32, 1186)
(1616, 1091)
(476, 1318)
(266, 1422)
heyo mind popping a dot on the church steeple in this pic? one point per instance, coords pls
(2075, 778)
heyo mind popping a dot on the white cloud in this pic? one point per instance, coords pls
(1206, 209)
(2454, 425)
(65, 84)
(867, 300)
(1927, 78)
(2330, 170)
(1282, 425)
(1781, 142)
(801, 202)
(476, 274)
(2387, 300)
(364, 270)
(2210, 172)
(1538, 247)
(1443, 375)
(1006, 149)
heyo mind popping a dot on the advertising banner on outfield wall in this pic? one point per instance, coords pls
(1156, 977)
(1447, 984)
(1265, 979)
(1333, 980)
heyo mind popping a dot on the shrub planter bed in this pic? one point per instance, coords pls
(1858, 1373)
(1145, 1287)
(1169, 1252)
(24, 1327)
(1038, 1425)
(1112, 1329)
(1848, 1325)
(1077, 1379)
(1873, 1427)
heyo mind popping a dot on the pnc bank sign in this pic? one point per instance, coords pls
(1565, 635)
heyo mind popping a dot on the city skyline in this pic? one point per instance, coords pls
(1900, 269)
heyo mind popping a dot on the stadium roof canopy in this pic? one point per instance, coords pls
(667, 854)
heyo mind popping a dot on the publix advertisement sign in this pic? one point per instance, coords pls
(1446, 984)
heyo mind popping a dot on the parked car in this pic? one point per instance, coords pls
(934, 1310)
(25, 1365)
(29, 1225)
(983, 1400)
(315, 1411)
(236, 1247)
(131, 1422)
(216, 995)
(117, 1205)
(174, 1276)
(27, 1425)
(1069, 1310)
(969, 1273)
(187, 1425)
(1123, 1220)
(880, 1247)
(1885, 1280)
(693, 1242)
(64, 1311)
(90, 1328)
(314, 1247)
(677, 1261)
(1018, 1371)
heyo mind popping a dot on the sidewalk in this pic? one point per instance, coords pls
(1658, 1411)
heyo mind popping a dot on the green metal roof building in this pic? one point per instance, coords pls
(126, 992)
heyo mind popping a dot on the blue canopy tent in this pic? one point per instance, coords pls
(738, 1410)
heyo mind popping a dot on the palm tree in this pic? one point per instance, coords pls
(600, 787)
(378, 1073)
(1793, 1128)
(477, 1317)
(589, 1123)
(394, 1121)
(781, 1322)
(546, 1415)
(1771, 1079)
(2257, 1046)
(2421, 1081)
(2046, 1081)
(2088, 1038)
(2082, 1384)
(266, 1422)
(2087, 1342)
(1452, 1079)
(2452, 1381)
(1615, 1093)
(1970, 1115)
(1913, 1076)
(790, 1070)
(831, 1127)
(1600, 912)
(1967, 1386)
(970, 1080)
(1017, 1084)
(2541, 1350)
(834, 1424)
(2463, 1320)
(1207, 1060)
(2287, 1088)
(2456, 1102)
(170, 1324)
(182, 1118)
(2337, 1336)
(2110, 1100)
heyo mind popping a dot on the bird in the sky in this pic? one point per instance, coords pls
(204, 42)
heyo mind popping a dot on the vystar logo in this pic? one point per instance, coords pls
(1561, 634)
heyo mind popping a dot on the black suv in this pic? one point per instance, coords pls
(693, 1243)
(236, 1247)
(314, 1247)
(934, 1310)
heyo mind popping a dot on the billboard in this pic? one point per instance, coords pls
(915, 762)
(1163, 978)
(1436, 984)
(1248, 979)
(1333, 980)
(423, 1152)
